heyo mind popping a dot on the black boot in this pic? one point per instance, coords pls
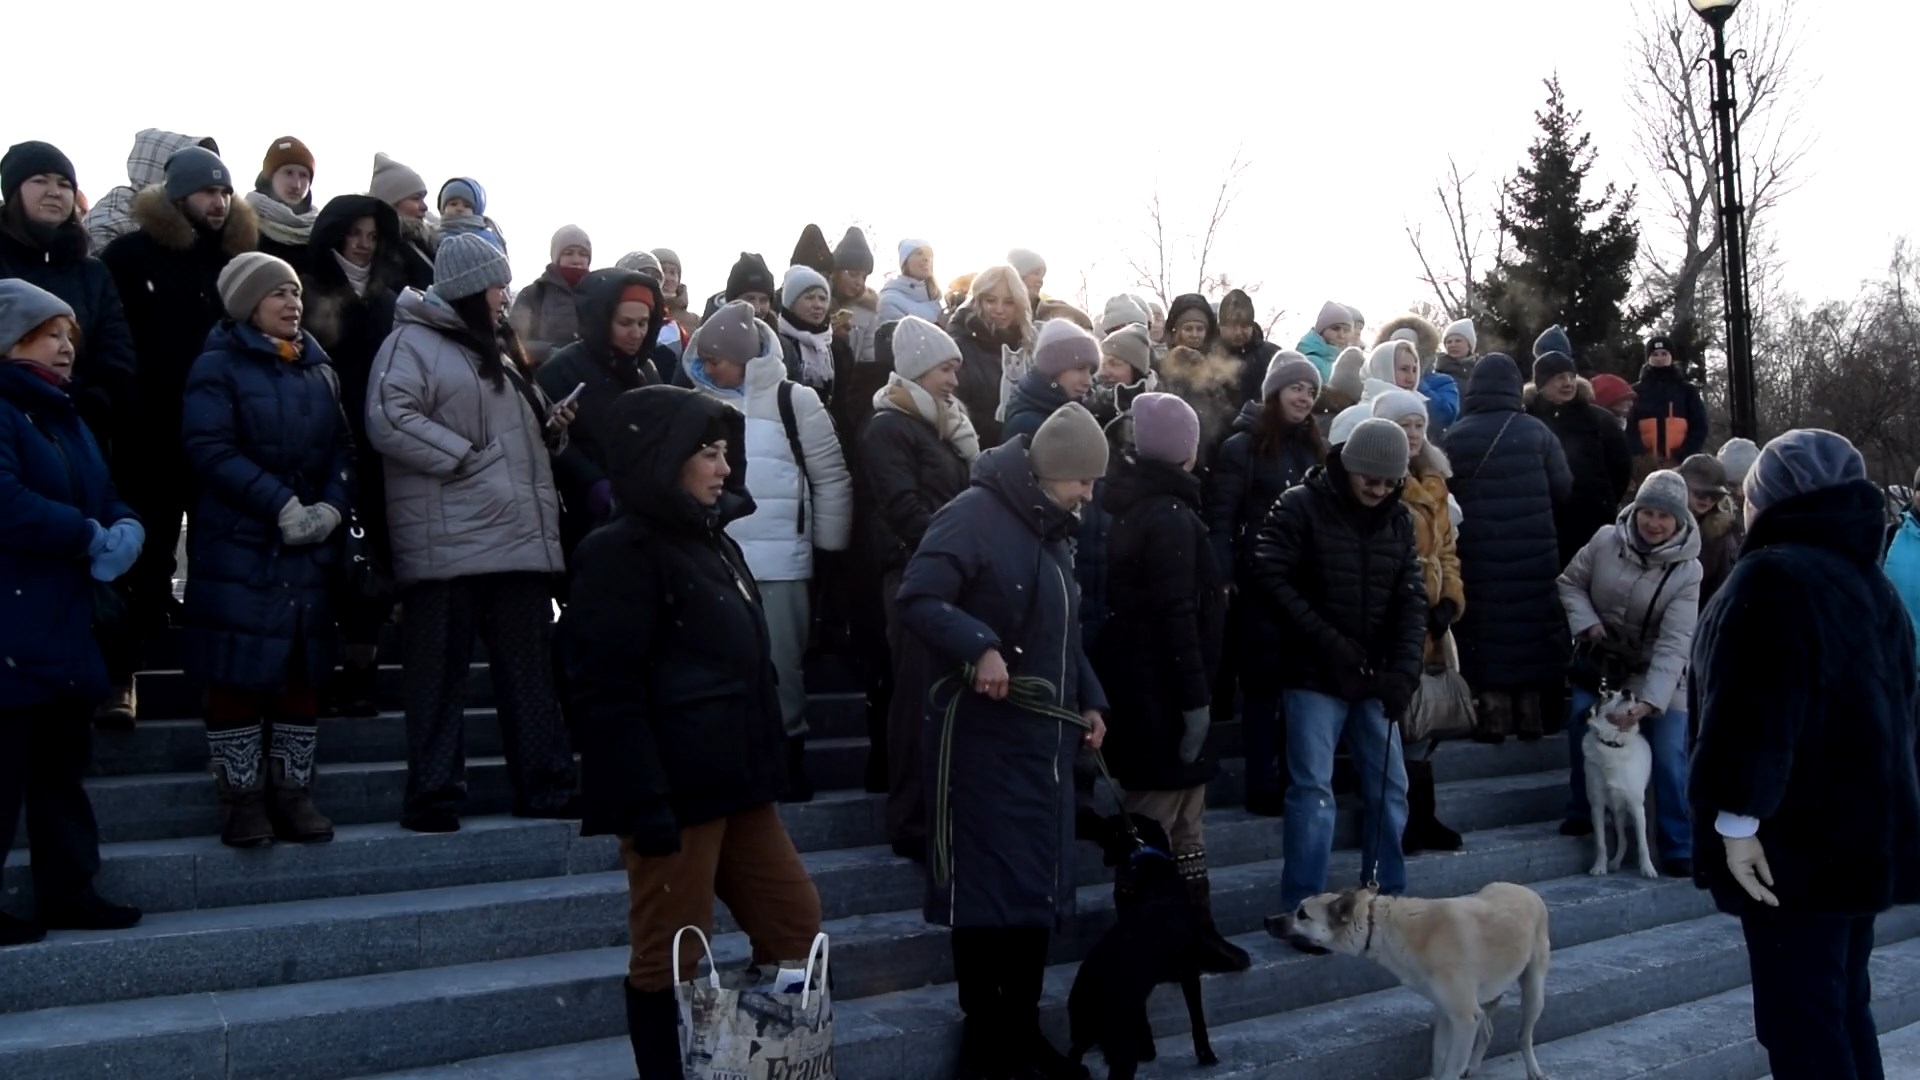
(1493, 717)
(87, 911)
(17, 931)
(653, 1027)
(1527, 721)
(1424, 831)
(799, 789)
(240, 777)
(1216, 952)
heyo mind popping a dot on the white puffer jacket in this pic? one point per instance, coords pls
(792, 515)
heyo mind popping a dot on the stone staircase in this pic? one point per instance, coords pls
(496, 952)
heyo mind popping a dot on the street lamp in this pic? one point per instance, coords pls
(1733, 222)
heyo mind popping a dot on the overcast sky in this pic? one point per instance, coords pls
(975, 126)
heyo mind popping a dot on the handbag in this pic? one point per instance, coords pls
(1602, 666)
(359, 572)
(741, 1025)
(1442, 706)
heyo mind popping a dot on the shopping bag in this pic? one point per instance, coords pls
(772, 1022)
(1442, 706)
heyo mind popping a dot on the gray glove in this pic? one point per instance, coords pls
(301, 525)
(1193, 734)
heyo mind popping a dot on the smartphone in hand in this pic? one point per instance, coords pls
(563, 403)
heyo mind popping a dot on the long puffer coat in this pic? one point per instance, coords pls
(911, 472)
(1598, 458)
(1160, 650)
(670, 673)
(1647, 610)
(469, 476)
(1331, 572)
(104, 386)
(1509, 473)
(1804, 687)
(995, 570)
(261, 429)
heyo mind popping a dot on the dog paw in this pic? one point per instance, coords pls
(1207, 1060)
(1647, 871)
(1597, 870)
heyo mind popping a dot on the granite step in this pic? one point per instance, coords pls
(359, 1024)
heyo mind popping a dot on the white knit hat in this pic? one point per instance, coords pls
(919, 347)
(1462, 328)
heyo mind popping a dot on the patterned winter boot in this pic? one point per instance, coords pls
(290, 765)
(240, 777)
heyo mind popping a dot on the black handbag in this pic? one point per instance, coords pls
(1600, 666)
(360, 574)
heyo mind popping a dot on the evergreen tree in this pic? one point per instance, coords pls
(1558, 269)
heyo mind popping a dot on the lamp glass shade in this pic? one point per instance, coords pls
(1714, 7)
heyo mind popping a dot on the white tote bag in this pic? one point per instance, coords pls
(754, 1024)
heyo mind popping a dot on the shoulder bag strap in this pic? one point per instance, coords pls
(1511, 417)
(792, 424)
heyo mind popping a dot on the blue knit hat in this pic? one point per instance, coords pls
(464, 187)
(1551, 340)
(466, 264)
(1802, 461)
(195, 168)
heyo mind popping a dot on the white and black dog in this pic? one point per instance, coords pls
(1619, 763)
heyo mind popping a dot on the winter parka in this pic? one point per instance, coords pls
(911, 472)
(1597, 456)
(546, 316)
(1804, 688)
(903, 296)
(984, 356)
(1668, 423)
(1254, 357)
(1648, 600)
(105, 380)
(995, 570)
(111, 216)
(1721, 534)
(469, 479)
(1245, 483)
(1435, 541)
(260, 430)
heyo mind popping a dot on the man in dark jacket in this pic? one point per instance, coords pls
(1804, 772)
(1668, 423)
(1336, 564)
(167, 273)
(1595, 448)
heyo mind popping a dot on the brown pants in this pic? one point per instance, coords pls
(748, 863)
(1181, 813)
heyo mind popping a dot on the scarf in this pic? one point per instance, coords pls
(43, 373)
(282, 223)
(949, 418)
(816, 351)
(357, 276)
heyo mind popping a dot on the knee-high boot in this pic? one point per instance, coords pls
(1217, 953)
(653, 1027)
(239, 774)
(290, 774)
(1424, 831)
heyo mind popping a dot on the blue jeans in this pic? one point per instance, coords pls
(1667, 733)
(1315, 725)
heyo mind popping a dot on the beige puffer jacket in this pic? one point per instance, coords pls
(469, 477)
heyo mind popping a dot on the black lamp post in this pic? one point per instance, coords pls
(1733, 223)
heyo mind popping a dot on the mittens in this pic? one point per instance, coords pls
(119, 550)
(96, 538)
(302, 525)
(1193, 734)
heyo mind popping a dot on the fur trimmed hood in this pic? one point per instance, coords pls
(158, 216)
(1427, 343)
(868, 299)
(1582, 394)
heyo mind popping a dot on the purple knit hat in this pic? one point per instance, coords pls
(1165, 428)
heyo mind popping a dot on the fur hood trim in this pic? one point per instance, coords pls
(1428, 342)
(1582, 393)
(1718, 521)
(868, 299)
(158, 216)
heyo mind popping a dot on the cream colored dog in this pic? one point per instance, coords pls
(1461, 954)
(1619, 763)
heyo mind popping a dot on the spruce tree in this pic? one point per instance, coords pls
(1569, 259)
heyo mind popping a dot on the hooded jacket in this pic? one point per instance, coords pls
(546, 316)
(1254, 357)
(351, 327)
(669, 670)
(798, 510)
(1035, 399)
(1597, 455)
(112, 214)
(1668, 423)
(477, 223)
(469, 480)
(605, 374)
(1721, 534)
(1613, 583)
(1186, 303)
(1320, 351)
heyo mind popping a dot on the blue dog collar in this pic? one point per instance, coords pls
(1145, 850)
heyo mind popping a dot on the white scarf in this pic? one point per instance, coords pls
(280, 222)
(816, 353)
(357, 276)
(903, 395)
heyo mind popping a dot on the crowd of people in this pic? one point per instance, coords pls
(1039, 532)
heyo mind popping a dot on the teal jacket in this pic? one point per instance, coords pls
(1316, 349)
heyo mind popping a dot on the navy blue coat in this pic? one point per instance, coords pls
(260, 430)
(46, 595)
(1804, 686)
(1034, 399)
(1509, 473)
(103, 385)
(995, 570)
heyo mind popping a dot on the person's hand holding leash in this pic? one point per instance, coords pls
(990, 675)
(1097, 732)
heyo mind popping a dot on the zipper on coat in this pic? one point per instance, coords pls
(1059, 730)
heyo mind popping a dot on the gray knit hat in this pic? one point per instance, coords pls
(641, 262)
(249, 277)
(567, 236)
(1071, 446)
(1801, 462)
(195, 168)
(24, 306)
(731, 333)
(798, 281)
(1377, 448)
(1026, 262)
(1165, 429)
(394, 183)
(919, 347)
(669, 257)
(1332, 314)
(1286, 368)
(1738, 455)
(466, 265)
(1665, 490)
(1121, 311)
(1131, 346)
(1705, 474)
(1063, 346)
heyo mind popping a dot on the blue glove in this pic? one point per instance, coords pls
(125, 538)
(96, 538)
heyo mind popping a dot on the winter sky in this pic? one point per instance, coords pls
(717, 128)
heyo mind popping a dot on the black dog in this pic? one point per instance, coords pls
(1156, 940)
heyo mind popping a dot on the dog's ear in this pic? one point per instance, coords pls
(1340, 912)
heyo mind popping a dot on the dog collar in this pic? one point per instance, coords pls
(1145, 850)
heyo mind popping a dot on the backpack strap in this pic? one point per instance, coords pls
(792, 424)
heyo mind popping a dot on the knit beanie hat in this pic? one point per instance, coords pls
(248, 278)
(1069, 445)
(1346, 372)
(853, 253)
(1025, 261)
(393, 182)
(1359, 320)
(1705, 474)
(1131, 346)
(568, 236)
(1397, 403)
(668, 258)
(1803, 460)
(1551, 365)
(1610, 390)
(191, 169)
(1553, 339)
(749, 274)
(1331, 314)
(1664, 490)
(461, 187)
(1461, 328)
(1660, 341)
(1738, 455)
(1165, 428)
(1236, 307)
(32, 158)
(1349, 418)
(1062, 346)
(731, 333)
(1051, 308)
(908, 247)
(919, 347)
(1376, 448)
(466, 264)
(1286, 368)
(798, 281)
(811, 251)
(1121, 311)
(23, 307)
(643, 262)
(286, 150)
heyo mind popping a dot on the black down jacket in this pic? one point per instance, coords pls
(1598, 458)
(1804, 687)
(995, 570)
(1335, 573)
(1509, 475)
(1159, 652)
(669, 673)
(1245, 483)
(911, 472)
